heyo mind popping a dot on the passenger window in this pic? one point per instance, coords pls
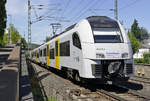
(56, 46)
(37, 54)
(41, 53)
(76, 40)
(45, 52)
(52, 54)
(65, 48)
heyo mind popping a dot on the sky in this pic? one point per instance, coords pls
(68, 12)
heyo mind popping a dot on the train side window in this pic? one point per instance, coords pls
(52, 54)
(45, 52)
(37, 54)
(56, 46)
(65, 48)
(76, 40)
(41, 53)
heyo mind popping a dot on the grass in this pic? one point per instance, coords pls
(36, 90)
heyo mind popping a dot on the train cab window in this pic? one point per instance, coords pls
(76, 40)
(52, 54)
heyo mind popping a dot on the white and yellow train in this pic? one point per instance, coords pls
(94, 48)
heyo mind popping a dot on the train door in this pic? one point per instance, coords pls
(57, 54)
(47, 55)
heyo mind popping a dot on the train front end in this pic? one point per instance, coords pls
(109, 54)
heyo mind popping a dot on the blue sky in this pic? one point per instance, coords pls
(68, 12)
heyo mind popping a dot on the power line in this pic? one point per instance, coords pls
(73, 8)
(81, 9)
(82, 13)
(77, 6)
(130, 4)
(66, 6)
(84, 10)
(93, 10)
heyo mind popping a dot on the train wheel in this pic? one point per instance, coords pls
(77, 77)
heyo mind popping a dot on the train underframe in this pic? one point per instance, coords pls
(106, 72)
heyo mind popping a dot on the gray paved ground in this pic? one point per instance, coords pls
(4, 53)
(25, 87)
(9, 74)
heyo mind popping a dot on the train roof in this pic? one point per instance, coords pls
(90, 20)
(99, 18)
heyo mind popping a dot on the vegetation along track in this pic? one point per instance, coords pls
(101, 92)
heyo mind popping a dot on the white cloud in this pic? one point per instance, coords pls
(16, 7)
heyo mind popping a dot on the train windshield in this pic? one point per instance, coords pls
(107, 39)
(107, 35)
(105, 30)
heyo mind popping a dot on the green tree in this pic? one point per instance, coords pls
(3, 20)
(139, 33)
(5, 39)
(135, 30)
(23, 41)
(144, 33)
(134, 42)
(13, 32)
(147, 58)
(47, 38)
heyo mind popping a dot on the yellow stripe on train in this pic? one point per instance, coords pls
(47, 56)
(57, 53)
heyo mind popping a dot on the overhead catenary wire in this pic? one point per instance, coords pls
(89, 9)
(66, 6)
(80, 11)
(77, 6)
(84, 11)
(129, 4)
(73, 9)
(101, 3)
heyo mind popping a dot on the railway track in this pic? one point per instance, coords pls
(131, 95)
(103, 92)
(140, 79)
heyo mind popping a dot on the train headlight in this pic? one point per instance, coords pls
(113, 67)
(125, 55)
(100, 55)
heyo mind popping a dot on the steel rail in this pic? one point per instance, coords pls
(143, 81)
(111, 95)
(135, 93)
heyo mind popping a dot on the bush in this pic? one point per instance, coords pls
(145, 60)
(141, 60)
(134, 43)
